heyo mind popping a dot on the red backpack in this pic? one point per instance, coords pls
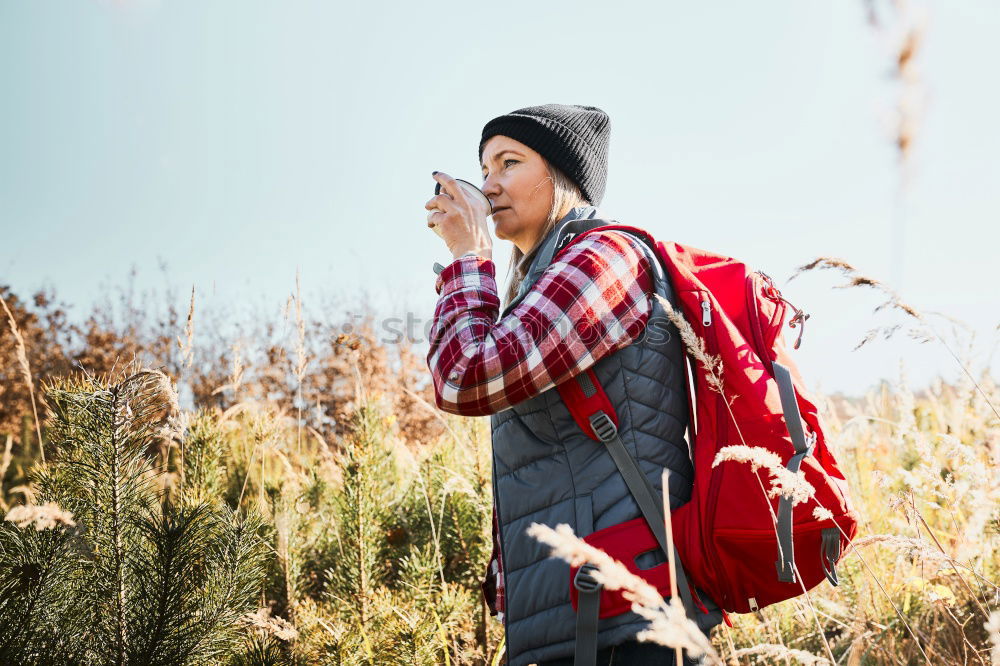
(743, 548)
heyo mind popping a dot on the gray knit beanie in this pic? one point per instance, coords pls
(572, 137)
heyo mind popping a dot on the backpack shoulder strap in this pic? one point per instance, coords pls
(585, 398)
(587, 401)
(541, 258)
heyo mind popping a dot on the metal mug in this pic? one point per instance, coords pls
(471, 189)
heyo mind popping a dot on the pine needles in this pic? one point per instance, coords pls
(133, 578)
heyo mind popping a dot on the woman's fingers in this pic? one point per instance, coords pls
(439, 201)
(448, 184)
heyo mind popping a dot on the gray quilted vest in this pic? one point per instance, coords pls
(546, 470)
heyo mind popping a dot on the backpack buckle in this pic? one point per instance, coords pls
(584, 580)
(603, 426)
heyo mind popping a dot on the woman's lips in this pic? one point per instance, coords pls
(497, 210)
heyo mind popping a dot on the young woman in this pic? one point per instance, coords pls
(588, 306)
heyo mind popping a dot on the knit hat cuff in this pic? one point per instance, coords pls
(531, 132)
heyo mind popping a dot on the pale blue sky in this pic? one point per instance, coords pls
(238, 140)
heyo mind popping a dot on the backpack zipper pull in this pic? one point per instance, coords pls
(799, 317)
(706, 314)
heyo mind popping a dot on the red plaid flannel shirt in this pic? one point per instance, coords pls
(592, 300)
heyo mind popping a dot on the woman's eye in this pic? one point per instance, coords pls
(504, 164)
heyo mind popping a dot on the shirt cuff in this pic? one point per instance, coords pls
(468, 264)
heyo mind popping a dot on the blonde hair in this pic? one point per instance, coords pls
(565, 195)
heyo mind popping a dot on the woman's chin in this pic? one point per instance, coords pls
(500, 230)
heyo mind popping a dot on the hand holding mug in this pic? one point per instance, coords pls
(458, 215)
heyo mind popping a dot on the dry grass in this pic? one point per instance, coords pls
(381, 529)
(42, 516)
(669, 625)
(25, 367)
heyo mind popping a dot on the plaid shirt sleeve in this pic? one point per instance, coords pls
(591, 301)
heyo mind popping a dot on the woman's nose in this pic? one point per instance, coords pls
(490, 188)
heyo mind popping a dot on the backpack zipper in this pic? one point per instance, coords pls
(755, 327)
(721, 432)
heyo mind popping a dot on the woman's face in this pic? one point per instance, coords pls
(517, 181)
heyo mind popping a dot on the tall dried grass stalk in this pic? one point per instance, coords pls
(671, 563)
(857, 279)
(301, 360)
(155, 387)
(262, 428)
(501, 649)
(915, 545)
(695, 346)
(434, 532)
(927, 528)
(186, 345)
(22, 361)
(419, 400)
(780, 651)
(812, 609)
(236, 370)
(4, 465)
(784, 482)
(903, 42)
(669, 624)
(819, 513)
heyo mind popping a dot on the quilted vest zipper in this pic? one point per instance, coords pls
(503, 556)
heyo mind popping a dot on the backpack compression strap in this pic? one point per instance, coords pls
(604, 428)
(587, 611)
(830, 547)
